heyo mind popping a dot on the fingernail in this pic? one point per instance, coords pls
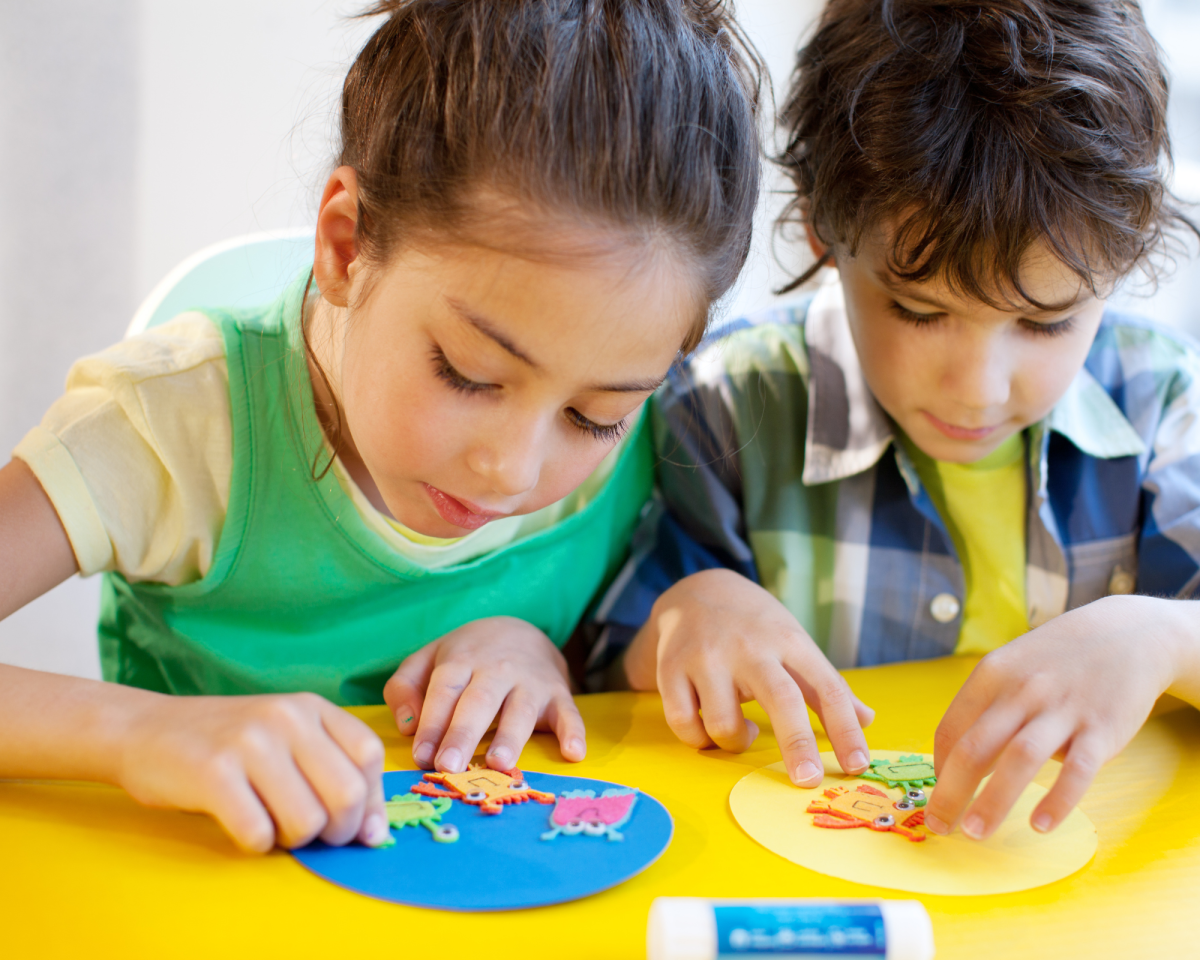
(451, 760)
(936, 825)
(973, 827)
(423, 752)
(806, 772)
(858, 761)
(376, 830)
(1041, 823)
(576, 748)
(408, 717)
(502, 757)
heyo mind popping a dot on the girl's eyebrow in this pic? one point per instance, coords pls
(489, 331)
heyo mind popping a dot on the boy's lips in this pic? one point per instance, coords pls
(455, 511)
(955, 432)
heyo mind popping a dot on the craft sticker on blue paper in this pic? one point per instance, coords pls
(502, 862)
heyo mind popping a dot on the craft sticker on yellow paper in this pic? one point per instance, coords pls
(1015, 857)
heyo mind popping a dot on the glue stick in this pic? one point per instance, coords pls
(685, 928)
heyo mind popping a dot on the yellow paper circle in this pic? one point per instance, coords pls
(1015, 857)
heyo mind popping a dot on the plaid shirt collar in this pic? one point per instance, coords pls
(848, 431)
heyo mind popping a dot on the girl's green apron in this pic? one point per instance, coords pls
(301, 595)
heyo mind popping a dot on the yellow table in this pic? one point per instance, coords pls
(86, 872)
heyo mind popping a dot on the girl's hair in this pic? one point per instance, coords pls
(639, 115)
(634, 114)
(980, 128)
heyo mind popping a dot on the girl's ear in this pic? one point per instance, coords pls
(335, 260)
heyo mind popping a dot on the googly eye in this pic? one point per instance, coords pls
(476, 795)
(905, 805)
(594, 828)
(518, 785)
(916, 795)
(447, 833)
(887, 820)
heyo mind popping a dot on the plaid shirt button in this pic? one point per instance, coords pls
(944, 607)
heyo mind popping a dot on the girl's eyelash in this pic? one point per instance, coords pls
(606, 432)
(1055, 329)
(456, 381)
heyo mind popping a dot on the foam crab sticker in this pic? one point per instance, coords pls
(410, 810)
(911, 772)
(581, 811)
(482, 787)
(868, 807)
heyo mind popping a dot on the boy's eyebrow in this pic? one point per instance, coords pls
(900, 288)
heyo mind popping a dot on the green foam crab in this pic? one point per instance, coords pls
(911, 773)
(409, 809)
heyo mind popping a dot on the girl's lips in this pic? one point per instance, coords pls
(456, 512)
(960, 433)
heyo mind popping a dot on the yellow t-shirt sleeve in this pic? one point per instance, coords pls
(136, 455)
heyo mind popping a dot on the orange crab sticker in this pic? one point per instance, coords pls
(868, 807)
(482, 787)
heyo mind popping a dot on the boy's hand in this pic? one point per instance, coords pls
(279, 769)
(1078, 687)
(715, 640)
(449, 692)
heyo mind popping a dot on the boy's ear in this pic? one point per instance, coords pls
(335, 260)
(818, 246)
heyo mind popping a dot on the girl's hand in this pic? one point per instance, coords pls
(449, 692)
(279, 769)
(1078, 687)
(715, 640)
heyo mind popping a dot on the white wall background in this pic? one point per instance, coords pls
(134, 132)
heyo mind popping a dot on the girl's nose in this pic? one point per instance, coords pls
(510, 461)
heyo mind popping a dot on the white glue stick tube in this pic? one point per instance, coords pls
(686, 928)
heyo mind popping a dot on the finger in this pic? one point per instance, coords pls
(968, 705)
(969, 762)
(446, 685)
(473, 714)
(827, 692)
(239, 811)
(865, 714)
(681, 710)
(721, 714)
(563, 717)
(404, 692)
(1022, 757)
(518, 717)
(779, 695)
(1084, 758)
(292, 803)
(365, 751)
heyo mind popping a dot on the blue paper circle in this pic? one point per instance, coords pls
(500, 861)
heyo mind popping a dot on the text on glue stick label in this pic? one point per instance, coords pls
(851, 930)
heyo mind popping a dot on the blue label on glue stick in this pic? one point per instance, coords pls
(817, 930)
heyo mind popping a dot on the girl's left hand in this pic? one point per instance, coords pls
(451, 690)
(1077, 688)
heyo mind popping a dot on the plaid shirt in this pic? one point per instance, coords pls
(776, 461)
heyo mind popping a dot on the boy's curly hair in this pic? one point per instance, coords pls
(979, 128)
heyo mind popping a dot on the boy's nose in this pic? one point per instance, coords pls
(980, 379)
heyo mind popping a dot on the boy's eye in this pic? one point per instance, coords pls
(1058, 328)
(911, 316)
(606, 432)
(445, 371)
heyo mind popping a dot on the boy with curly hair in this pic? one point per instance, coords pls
(954, 448)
